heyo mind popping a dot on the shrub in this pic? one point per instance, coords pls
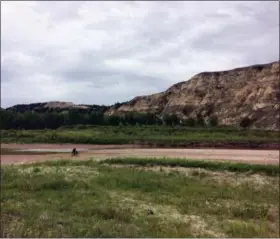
(171, 119)
(200, 121)
(245, 122)
(189, 122)
(213, 121)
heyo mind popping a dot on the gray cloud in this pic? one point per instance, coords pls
(107, 52)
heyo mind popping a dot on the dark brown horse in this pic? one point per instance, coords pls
(75, 152)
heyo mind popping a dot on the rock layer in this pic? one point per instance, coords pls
(231, 95)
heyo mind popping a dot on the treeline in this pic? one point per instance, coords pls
(11, 119)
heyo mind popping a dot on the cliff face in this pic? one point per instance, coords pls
(231, 95)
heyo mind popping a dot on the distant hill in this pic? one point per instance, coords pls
(251, 92)
(55, 105)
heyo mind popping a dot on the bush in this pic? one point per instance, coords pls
(171, 119)
(189, 122)
(245, 122)
(200, 121)
(213, 121)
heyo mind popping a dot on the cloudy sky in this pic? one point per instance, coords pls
(107, 52)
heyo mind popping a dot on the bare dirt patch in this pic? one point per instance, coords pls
(66, 146)
(166, 145)
(112, 151)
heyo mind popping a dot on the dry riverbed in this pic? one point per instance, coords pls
(112, 151)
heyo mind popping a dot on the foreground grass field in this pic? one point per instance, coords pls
(137, 134)
(134, 199)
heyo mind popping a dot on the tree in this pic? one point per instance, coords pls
(213, 121)
(151, 119)
(116, 105)
(114, 120)
(171, 119)
(190, 122)
(75, 117)
(245, 122)
(129, 119)
(33, 120)
(96, 118)
(199, 120)
(7, 119)
(54, 120)
(140, 118)
(105, 120)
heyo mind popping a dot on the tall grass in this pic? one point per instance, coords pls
(139, 134)
(271, 170)
(87, 199)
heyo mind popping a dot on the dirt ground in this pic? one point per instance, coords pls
(100, 152)
(67, 146)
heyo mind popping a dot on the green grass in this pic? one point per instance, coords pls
(89, 199)
(135, 134)
(271, 170)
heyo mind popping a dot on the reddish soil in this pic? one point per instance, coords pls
(66, 146)
(110, 151)
(189, 145)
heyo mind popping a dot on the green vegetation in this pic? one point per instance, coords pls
(245, 122)
(23, 117)
(90, 199)
(271, 170)
(154, 135)
(55, 118)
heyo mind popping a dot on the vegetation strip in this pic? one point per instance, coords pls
(87, 199)
(271, 170)
(148, 136)
(24, 117)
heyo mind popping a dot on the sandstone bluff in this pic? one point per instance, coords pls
(231, 95)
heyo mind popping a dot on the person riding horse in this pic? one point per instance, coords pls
(75, 152)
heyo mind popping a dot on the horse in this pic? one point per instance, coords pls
(75, 152)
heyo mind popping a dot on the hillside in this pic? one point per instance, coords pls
(231, 95)
(57, 106)
(46, 105)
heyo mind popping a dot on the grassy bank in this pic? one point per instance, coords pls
(271, 170)
(90, 199)
(142, 135)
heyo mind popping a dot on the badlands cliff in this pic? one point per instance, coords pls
(231, 95)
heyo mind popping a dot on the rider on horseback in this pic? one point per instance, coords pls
(75, 152)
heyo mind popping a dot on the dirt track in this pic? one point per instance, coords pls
(110, 151)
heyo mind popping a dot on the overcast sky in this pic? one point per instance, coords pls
(108, 52)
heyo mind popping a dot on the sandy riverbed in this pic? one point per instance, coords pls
(110, 151)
